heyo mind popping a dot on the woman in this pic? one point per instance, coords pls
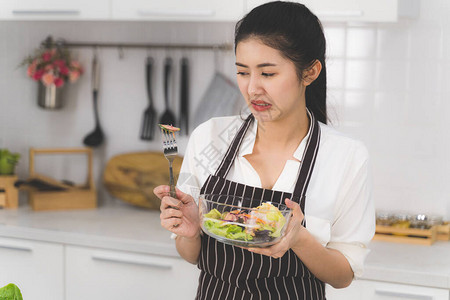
(284, 145)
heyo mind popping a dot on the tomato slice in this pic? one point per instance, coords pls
(169, 127)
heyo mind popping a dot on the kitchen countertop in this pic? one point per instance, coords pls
(116, 227)
(409, 264)
(127, 228)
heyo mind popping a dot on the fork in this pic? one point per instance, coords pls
(170, 152)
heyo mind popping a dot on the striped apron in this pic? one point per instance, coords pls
(229, 272)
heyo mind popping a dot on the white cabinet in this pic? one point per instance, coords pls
(178, 10)
(375, 290)
(104, 274)
(356, 10)
(54, 9)
(35, 267)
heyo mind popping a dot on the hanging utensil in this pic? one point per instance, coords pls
(221, 98)
(184, 96)
(95, 138)
(149, 118)
(167, 117)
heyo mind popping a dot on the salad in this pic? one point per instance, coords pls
(262, 224)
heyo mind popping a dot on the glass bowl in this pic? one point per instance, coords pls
(244, 222)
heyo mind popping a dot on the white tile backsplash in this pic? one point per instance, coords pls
(335, 35)
(335, 72)
(390, 108)
(393, 41)
(360, 74)
(388, 86)
(361, 42)
(392, 75)
(426, 40)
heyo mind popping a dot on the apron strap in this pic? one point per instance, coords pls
(230, 155)
(307, 164)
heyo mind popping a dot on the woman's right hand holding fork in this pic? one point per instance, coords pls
(181, 215)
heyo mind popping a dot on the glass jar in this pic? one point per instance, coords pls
(420, 221)
(384, 219)
(435, 220)
(401, 221)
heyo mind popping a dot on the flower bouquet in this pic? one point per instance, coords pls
(52, 66)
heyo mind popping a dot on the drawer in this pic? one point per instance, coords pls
(104, 274)
(35, 267)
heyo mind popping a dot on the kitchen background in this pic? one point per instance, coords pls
(388, 86)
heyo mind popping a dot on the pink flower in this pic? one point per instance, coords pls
(75, 64)
(46, 56)
(64, 70)
(48, 79)
(58, 82)
(60, 63)
(73, 76)
(48, 68)
(38, 74)
(31, 69)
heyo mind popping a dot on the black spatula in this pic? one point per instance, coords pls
(149, 118)
(184, 97)
(167, 117)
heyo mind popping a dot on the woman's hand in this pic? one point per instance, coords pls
(292, 237)
(181, 215)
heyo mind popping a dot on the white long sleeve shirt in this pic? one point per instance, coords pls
(339, 211)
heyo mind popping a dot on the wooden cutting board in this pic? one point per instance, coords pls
(132, 177)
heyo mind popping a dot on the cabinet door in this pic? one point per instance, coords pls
(347, 10)
(54, 9)
(93, 274)
(392, 291)
(354, 292)
(178, 10)
(375, 290)
(35, 267)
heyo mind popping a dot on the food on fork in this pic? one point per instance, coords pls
(169, 128)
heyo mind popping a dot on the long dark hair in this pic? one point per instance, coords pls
(297, 33)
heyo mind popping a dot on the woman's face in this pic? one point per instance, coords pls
(268, 81)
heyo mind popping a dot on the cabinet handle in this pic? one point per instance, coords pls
(45, 12)
(401, 295)
(176, 13)
(131, 261)
(343, 13)
(15, 247)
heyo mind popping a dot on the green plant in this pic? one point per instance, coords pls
(10, 292)
(8, 162)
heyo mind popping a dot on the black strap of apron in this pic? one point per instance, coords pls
(306, 164)
(232, 151)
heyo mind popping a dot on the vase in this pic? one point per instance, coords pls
(50, 97)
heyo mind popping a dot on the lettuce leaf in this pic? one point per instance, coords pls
(277, 232)
(213, 214)
(10, 292)
(229, 231)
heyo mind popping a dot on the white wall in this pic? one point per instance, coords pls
(388, 85)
